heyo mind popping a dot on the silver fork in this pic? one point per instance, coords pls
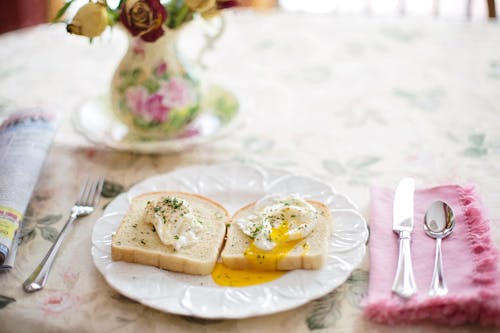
(86, 203)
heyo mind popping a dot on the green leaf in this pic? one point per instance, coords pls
(49, 219)
(182, 16)
(151, 85)
(136, 74)
(173, 8)
(363, 161)
(27, 235)
(113, 15)
(62, 11)
(357, 287)
(49, 233)
(111, 189)
(5, 300)
(475, 151)
(476, 139)
(333, 167)
(325, 311)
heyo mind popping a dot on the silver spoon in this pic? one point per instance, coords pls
(439, 222)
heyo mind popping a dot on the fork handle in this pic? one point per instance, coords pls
(38, 278)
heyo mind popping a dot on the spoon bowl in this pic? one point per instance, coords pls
(439, 222)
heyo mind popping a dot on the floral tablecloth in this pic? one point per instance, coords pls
(353, 101)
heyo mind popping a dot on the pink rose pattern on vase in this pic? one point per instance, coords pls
(147, 106)
(176, 93)
(161, 101)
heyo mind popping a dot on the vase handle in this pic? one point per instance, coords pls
(210, 40)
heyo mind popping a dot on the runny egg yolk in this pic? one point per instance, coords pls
(228, 277)
(268, 260)
(263, 263)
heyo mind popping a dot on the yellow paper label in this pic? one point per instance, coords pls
(9, 222)
(7, 228)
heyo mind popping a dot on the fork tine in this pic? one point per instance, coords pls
(83, 191)
(87, 192)
(97, 193)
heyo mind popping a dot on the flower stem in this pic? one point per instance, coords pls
(181, 16)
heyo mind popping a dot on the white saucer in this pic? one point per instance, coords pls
(95, 121)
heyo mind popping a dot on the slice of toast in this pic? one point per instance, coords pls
(307, 253)
(137, 241)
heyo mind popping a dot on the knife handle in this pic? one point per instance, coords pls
(404, 282)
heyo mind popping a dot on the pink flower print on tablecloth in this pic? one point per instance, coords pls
(177, 93)
(70, 279)
(150, 107)
(58, 302)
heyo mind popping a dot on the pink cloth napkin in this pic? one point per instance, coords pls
(469, 261)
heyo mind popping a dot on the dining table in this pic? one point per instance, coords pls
(350, 101)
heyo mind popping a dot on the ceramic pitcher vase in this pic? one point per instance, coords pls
(151, 91)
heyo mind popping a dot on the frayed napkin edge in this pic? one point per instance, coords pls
(484, 252)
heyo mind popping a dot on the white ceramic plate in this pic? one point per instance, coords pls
(95, 121)
(232, 185)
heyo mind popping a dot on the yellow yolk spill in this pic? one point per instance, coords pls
(225, 276)
(263, 263)
(263, 260)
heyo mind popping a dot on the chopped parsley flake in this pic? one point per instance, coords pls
(173, 203)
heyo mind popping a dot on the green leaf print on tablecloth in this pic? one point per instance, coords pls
(428, 100)
(5, 300)
(43, 224)
(358, 167)
(111, 189)
(325, 312)
(494, 70)
(477, 146)
(328, 309)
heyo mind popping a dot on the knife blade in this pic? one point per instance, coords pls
(404, 281)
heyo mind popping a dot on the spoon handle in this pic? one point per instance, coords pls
(438, 285)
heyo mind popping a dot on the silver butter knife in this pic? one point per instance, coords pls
(402, 224)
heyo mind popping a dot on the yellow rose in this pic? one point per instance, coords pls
(210, 13)
(200, 5)
(90, 20)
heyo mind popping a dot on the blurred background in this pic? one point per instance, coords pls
(16, 14)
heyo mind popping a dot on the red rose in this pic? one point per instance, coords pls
(223, 4)
(144, 18)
